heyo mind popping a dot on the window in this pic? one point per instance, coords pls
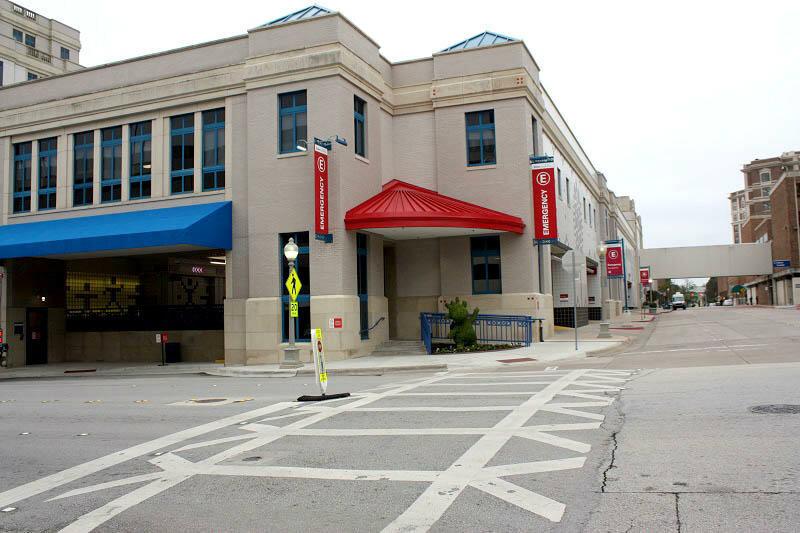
(111, 166)
(32, 76)
(765, 192)
(302, 324)
(569, 194)
(359, 122)
(48, 158)
(480, 138)
(293, 121)
(182, 150)
(83, 169)
(65, 53)
(535, 136)
(584, 209)
(17, 35)
(141, 159)
(30, 40)
(558, 173)
(765, 176)
(214, 149)
(362, 272)
(22, 178)
(485, 253)
(1, 73)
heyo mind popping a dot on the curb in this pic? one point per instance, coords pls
(366, 371)
(605, 351)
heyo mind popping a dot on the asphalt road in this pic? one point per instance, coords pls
(659, 437)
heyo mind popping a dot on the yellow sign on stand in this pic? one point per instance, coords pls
(293, 285)
(319, 359)
(294, 310)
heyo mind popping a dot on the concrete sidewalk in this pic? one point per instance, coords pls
(560, 347)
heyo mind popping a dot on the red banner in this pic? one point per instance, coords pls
(614, 266)
(644, 275)
(544, 202)
(321, 190)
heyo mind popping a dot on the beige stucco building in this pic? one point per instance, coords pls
(175, 142)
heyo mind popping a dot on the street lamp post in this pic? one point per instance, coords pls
(291, 355)
(601, 252)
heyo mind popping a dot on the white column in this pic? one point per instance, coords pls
(198, 151)
(6, 178)
(34, 176)
(126, 163)
(97, 166)
(159, 186)
(65, 167)
(229, 148)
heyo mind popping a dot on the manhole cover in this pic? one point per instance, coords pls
(209, 400)
(776, 409)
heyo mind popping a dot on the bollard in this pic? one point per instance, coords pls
(604, 332)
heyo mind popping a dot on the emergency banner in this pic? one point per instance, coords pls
(614, 263)
(644, 275)
(321, 227)
(544, 200)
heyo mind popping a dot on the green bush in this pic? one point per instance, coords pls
(462, 330)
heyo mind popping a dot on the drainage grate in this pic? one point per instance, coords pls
(518, 360)
(776, 409)
(210, 400)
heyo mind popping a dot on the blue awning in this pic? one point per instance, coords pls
(196, 226)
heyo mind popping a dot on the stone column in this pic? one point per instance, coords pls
(125, 173)
(98, 165)
(34, 176)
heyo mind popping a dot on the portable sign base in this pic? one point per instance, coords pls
(320, 371)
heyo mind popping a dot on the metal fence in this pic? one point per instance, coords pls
(503, 329)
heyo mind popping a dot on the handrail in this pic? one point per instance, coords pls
(508, 329)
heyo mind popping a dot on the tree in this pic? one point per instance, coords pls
(712, 290)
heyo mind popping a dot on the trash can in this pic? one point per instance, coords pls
(172, 352)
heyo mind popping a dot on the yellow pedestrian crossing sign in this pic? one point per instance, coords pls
(294, 310)
(293, 284)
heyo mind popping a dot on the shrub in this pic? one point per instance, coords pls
(462, 330)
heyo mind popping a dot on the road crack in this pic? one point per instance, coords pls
(678, 511)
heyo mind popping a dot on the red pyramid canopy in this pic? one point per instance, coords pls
(405, 211)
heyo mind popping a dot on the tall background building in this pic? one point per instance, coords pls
(33, 46)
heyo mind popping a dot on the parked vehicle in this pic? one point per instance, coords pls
(678, 302)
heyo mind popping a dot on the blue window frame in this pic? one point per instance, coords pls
(21, 193)
(141, 141)
(83, 169)
(214, 149)
(360, 125)
(480, 138)
(17, 35)
(111, 164)
(486, 273)
(30, 40)
(302, 324)
(362, 275)
(182, 153)
(48, 171)
(65, 53)
(32, 76)
(293, 121)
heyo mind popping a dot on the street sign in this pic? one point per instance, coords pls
(781, 263)
(614, 264)
(294, 309)
(319, 359)
(335, 322)
(162, 338)
(293, 285)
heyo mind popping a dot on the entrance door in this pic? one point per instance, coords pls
(36, 342)
(390, 286)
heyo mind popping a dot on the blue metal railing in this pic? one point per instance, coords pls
(505, 329)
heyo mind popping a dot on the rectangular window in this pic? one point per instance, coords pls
(141, 141)
(65, 53)
(362, 272)
(30, 40)
(302, 324)
(480, 138)
(535, 136)
(359, 122)
(17, 35)
(111, 164)
(486, 273)
(293, 121)
(558, 174)
(83, 169)
(182, 153)
(1, 73)
(21, 194)
(214, 149)
(48, 168)
(569, 194)
(584, 209)
(32, 76)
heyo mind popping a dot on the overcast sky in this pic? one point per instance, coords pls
(668, 101)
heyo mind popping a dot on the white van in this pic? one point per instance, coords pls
(678, 301)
